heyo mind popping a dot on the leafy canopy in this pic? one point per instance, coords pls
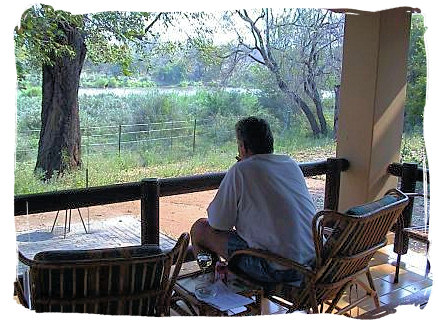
(417, 75)
(109, 36)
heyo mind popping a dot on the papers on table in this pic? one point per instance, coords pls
(237, 310)
(226, 299)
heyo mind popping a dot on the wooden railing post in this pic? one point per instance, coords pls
(150, 210)
(407, 184)
(333, 182)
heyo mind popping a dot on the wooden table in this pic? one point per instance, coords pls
(184, 301)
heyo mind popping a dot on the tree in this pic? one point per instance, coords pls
(57, 42)
(300, 47)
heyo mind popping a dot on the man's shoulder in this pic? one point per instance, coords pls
(264, 160)
(280, 158)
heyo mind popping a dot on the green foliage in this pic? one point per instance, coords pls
(28, 112)
(101, 81)
(41, 37)
(110, 37)
(32, 92)
(215, 144)
(170, 74)
(417, 74)
(413, 148)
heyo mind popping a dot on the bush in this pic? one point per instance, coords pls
(413, 148)
(28, 112)
(32, 92)
(100, 82)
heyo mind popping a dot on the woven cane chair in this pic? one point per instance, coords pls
(419, 233)
(135, 280)
(341, 259)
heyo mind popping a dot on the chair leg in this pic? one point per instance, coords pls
(314, 303)
(373, 288)
(397, 268)
(19, 290)
(335, 301)
(428, 261)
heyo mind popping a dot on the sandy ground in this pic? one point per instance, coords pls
(177, 213)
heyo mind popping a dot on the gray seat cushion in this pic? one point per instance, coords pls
(96, 254)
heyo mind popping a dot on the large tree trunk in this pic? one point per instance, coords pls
(311, 90)
(301, 104)
(60, 140)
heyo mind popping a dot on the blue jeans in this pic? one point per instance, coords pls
(258, 268)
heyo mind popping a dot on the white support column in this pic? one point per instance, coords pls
(372, 97)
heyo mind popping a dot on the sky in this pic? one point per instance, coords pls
(11, 17)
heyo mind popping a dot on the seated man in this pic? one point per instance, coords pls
(263, 202)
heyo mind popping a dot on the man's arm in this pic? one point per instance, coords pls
(222, 211)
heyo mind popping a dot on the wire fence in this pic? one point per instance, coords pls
(170, 135)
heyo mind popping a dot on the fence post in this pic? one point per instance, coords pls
(120, 137)
(194, 136)
(171, 136)
(215, 135)
(408, 184)
(333, 182)
(148, 142)
(150, 211)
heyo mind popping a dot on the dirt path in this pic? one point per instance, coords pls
(177, 213)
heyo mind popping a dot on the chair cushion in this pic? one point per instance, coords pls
(371, 206)
(121, 252)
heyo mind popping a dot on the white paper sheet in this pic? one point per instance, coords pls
(226, 299)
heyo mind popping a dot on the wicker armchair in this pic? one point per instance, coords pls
(341, 259)
(419, 233)
(135, 280)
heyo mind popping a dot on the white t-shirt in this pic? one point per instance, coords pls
(266, 199)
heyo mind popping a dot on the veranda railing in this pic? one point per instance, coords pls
(150, 190)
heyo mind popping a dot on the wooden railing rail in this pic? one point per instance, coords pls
(397, 169)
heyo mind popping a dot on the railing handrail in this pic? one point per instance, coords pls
(101, 195)
(396, 169)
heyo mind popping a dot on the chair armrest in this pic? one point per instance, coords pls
(416, 194)
(286, 262)
(26, 261)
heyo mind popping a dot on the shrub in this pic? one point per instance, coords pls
(32, 91)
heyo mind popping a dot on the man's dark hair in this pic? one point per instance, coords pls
(255, 134)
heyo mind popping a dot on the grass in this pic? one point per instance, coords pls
(135, 165)
(130, 166)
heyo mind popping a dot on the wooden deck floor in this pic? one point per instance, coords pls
(125, 231)
(114, 232)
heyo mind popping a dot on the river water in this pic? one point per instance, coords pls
(188, 91)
